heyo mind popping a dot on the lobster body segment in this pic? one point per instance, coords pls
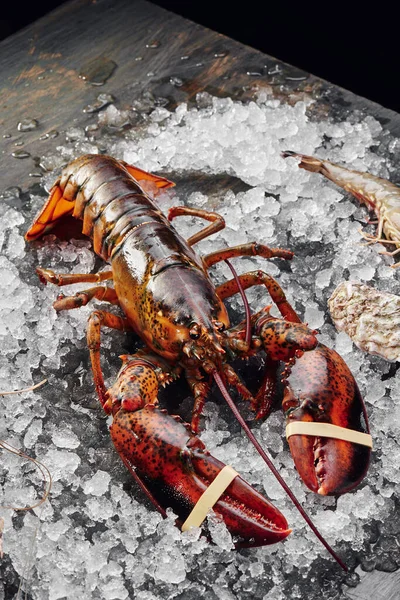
(161, 295)
(161, 284)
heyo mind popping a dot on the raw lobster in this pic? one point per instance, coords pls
(169, 300)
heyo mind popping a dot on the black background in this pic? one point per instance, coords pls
(355, 47)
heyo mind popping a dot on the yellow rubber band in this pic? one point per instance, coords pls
(209, 497)
(328, 430)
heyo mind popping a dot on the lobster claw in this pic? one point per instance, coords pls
(249, 517)
(177, 469)
(320, 388)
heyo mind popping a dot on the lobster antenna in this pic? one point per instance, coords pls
(28, 389)
(245, 302)
(271, 466)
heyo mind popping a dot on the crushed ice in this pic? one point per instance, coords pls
(95, 538)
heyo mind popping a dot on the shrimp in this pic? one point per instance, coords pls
(379, 195)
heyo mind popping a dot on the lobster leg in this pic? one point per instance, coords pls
(200, 391)
(250, 249)
(97, 320)
(100, 292)
(217, 221)
(60, 279)
(247, 280)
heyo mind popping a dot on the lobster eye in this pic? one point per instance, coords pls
(194, 331)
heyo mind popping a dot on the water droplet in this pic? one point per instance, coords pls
(27, 124)
(98, 70)
(11, 192)
(41, 77)
(138, 58)
(200, 64)
(295, 78)
(20, 154)
(176, 81)
(254, 73)
(101, 101)
(35, 174)
(185, 57)
(49, 135)
(7, 135)
(153, 44)
(220, 54)
(150, 74)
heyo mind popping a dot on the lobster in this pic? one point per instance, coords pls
(168, 299)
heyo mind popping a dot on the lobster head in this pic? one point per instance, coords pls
(205, 343)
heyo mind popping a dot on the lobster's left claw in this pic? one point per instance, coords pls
(320, 388)
(176, 468)
(250, 517)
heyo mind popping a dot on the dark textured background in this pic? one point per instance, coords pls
(354, 48)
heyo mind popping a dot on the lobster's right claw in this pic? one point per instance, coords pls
(176, 469)
(320, 389)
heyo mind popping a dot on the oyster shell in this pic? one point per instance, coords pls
(371, 318)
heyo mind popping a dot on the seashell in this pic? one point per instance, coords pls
(371, 318)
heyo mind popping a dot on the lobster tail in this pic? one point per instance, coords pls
(74, 193)
(55, 208)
